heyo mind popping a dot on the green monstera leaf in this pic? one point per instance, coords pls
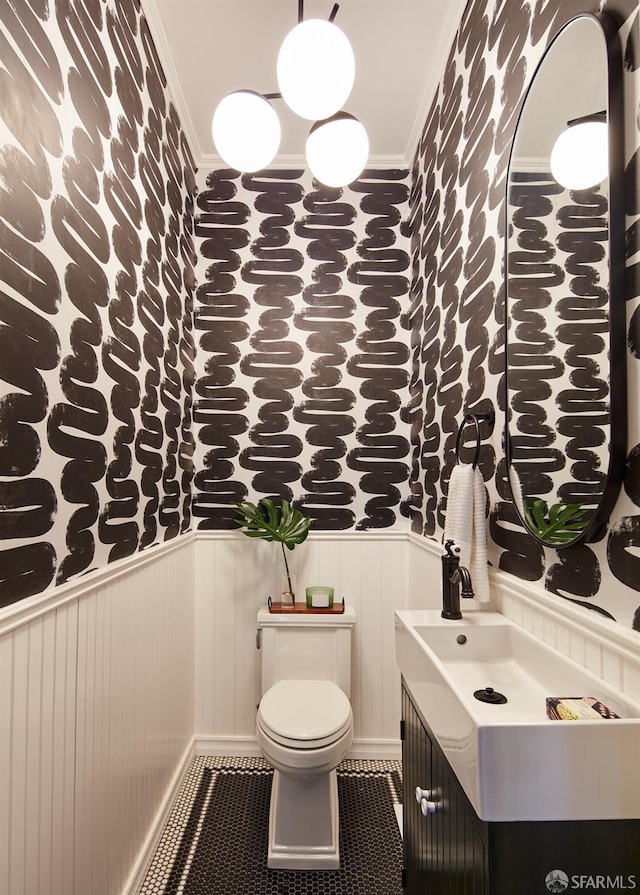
(558, 524)
(284, 524)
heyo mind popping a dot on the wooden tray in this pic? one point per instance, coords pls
(302, 608)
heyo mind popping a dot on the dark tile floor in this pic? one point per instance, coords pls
(215, 841)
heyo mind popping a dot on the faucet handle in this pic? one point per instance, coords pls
(452, 549)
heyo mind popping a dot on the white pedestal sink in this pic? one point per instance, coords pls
(513, 762)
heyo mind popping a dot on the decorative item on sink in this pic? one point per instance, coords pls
(577, 708)
(283, 524)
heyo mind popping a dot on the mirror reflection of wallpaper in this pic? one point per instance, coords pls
(457, 296)
(558, 339)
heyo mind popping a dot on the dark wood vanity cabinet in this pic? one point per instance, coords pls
(453, 852)
(444, 852)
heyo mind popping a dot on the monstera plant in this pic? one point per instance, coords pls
(281, 523)
(558, 524)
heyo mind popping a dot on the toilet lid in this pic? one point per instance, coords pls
(305, 710)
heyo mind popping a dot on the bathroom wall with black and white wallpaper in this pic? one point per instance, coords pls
(307, 435)
(457, 298)
(97, 259)
(323, 345)
(303, 357)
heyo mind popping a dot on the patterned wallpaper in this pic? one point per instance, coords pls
(457, 297)
(302, 357)
(340, 335)
(96, 258)
(557, 343)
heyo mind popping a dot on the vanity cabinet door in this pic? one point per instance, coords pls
(445, 852)
(416, 771)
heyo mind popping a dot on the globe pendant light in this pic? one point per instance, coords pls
(337, 149)
(316, 69)
(246, 130)
(580, 155)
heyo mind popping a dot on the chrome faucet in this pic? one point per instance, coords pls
(456, 581)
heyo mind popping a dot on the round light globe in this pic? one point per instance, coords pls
(246, 131)
(580, 155)
(337, 149)
(316, 69)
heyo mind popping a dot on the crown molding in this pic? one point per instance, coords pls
(209, 161)
(161, 41)
(524, 165)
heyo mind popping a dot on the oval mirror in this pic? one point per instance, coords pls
(565, 312)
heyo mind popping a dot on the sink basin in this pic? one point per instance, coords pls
(514, 762)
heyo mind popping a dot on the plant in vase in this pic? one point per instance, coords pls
(283, 524)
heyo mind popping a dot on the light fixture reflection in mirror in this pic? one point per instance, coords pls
(316, 69)
(246, 130)
(337, 150)
(580, 155)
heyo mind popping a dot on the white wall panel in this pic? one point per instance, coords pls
(37, 755)
(96, 694)
(234, 577)
(97, 684)
(6, 735)
(135, 718)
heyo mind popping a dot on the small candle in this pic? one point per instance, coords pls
(319, 597)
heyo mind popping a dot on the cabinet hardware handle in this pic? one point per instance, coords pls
(423, 794)
(428, 807)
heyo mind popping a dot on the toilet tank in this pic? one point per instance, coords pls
(305, 646)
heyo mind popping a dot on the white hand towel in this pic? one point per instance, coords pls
(466, 524)
(479, 565)
(459, 517)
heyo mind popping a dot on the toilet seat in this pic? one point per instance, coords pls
(305, 714)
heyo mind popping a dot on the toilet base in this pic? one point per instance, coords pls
(303, 822)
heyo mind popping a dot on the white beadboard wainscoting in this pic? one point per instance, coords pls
(97, 723)
(378, 572)
(234, 577)
(110, 684)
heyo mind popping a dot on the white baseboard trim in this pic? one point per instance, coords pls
(230, 746)
(248, 746)
(376, 749)
(150, 844)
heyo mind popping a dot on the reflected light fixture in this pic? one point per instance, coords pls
(316, 69)
(580, 156)
(337, 149)
(246, 130)
(316, 72)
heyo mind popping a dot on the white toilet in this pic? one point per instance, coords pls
(304, 729)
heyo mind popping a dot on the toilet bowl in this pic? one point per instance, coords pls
(304, 728)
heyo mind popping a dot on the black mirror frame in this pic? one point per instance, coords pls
(617, 303)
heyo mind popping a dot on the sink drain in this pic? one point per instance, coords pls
(490, 695)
